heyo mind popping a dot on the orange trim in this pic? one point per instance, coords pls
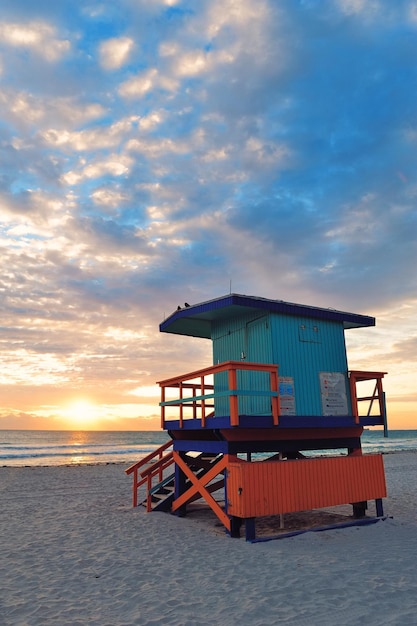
(134, 469)
(214, 369)
(234, 402)
(162, 463)
(231, 367)
(162, 408)
(356, 376)
(148, 458)
(275, 399)
(203, 402)
(198, 486)
(181, 407)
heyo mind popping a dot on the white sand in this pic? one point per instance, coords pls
(73, 551)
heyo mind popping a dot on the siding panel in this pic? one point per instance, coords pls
(303, 348)
(270, 488)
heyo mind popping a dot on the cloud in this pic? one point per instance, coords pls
(145, 82)
(113, 165)
(38, 37)
(115, 52)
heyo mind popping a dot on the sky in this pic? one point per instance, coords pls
(154, 152)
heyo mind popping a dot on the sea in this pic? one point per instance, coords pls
(22, 448)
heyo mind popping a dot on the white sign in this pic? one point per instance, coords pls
(333, 393)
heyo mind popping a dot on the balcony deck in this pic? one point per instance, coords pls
(192, 398)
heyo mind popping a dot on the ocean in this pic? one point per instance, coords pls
(42, 447)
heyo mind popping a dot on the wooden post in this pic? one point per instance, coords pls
(233, 399)
(275, 399)
(148, 494)
(250, 529)
(379, 507)
(180, 482)
(385, 416)
(135, 487)
(162, 407)
(354, 397)
(203, 403)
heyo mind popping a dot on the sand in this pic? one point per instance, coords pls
(74, 552)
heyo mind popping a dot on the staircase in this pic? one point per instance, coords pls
(160, 497)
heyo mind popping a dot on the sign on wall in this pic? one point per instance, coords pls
(286, 395)
(333, 393)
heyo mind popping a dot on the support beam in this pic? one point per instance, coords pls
(199, 486)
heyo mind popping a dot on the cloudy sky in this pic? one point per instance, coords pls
(154, 152)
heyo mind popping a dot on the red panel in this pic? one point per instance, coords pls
(273, 487)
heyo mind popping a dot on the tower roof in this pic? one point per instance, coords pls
(196, 320)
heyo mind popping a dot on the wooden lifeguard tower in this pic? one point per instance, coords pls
(279, 387)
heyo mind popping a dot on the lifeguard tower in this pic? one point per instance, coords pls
(279, 390)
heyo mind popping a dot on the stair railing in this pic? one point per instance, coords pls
(157, 468)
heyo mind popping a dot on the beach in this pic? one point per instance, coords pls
(75, 552)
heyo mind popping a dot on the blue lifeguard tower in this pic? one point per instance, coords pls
(279, 385)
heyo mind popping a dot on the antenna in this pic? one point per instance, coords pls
(230, 287)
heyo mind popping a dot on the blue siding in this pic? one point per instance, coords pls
(303, 348)
(247, 338)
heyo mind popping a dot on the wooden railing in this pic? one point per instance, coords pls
(155, 468)
(356, 377)
(200, 400)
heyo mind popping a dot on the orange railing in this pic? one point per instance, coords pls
(356, 377)
(155, 468)
(200, 400)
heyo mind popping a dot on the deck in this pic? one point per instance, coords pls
(188, 401)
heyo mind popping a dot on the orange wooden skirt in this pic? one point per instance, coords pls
(273, 487)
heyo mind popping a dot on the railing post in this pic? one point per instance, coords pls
(181, 406)
(275, 399)
(135, 487)
(203, 403)
(162, 407)
(385, 415)
(380, 396)
(372, 398)
(148, 494)
(160, 471)
(194, 390)
(354, 397)
(233, 399)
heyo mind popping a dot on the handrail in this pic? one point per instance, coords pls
(149, 473)
(158, 465)
(355, 377)
(199, 400)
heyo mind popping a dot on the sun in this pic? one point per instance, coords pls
(81, 414)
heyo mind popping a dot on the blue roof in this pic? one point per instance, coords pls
(196, 320)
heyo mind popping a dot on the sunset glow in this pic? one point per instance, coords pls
(157, 153)
(81, 415)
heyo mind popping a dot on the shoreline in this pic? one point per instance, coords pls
(129, 463)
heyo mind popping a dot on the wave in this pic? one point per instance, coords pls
(74, 447)
(88, 452)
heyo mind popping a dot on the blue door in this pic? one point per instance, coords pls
(258, 350)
